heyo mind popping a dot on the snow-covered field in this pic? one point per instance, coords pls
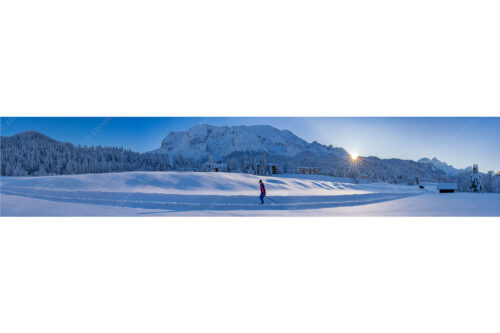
(203, 193)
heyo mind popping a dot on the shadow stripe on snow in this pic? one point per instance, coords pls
(210, 202)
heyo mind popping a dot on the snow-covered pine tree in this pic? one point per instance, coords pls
(463, 181)
(488, 182)
(475, 184)
(496, 183)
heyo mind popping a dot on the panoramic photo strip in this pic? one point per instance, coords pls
(221, 166)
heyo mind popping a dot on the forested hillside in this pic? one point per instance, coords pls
(33, 154)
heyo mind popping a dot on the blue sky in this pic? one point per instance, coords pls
(457, 141)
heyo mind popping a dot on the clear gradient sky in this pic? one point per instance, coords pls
(457, 141)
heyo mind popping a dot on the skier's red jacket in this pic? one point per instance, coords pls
(262, 189)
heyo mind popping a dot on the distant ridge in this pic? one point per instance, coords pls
(448, 169)
(241, 148)
(244, 149)
(202, 141)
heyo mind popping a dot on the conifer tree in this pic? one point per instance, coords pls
(475, 184)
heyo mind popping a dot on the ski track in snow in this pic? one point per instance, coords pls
(176, 202)
(198, 193)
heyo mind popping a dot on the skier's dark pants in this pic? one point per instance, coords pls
(261, 198)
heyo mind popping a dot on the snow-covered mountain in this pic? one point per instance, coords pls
(448, 169)
(202, 141)
(242, 148)
(257, 150)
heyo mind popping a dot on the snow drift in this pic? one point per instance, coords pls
(204, 193)
(194, 191)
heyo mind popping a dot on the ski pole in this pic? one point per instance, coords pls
(272, 200)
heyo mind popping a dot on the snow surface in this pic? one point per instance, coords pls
(205, 193)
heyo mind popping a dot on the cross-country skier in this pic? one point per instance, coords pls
(262, 191)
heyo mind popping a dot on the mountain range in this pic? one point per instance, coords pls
(202, 141)
(238, 148)
(448, 169)
(241, 147)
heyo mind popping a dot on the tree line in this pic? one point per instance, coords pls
(34, 154)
